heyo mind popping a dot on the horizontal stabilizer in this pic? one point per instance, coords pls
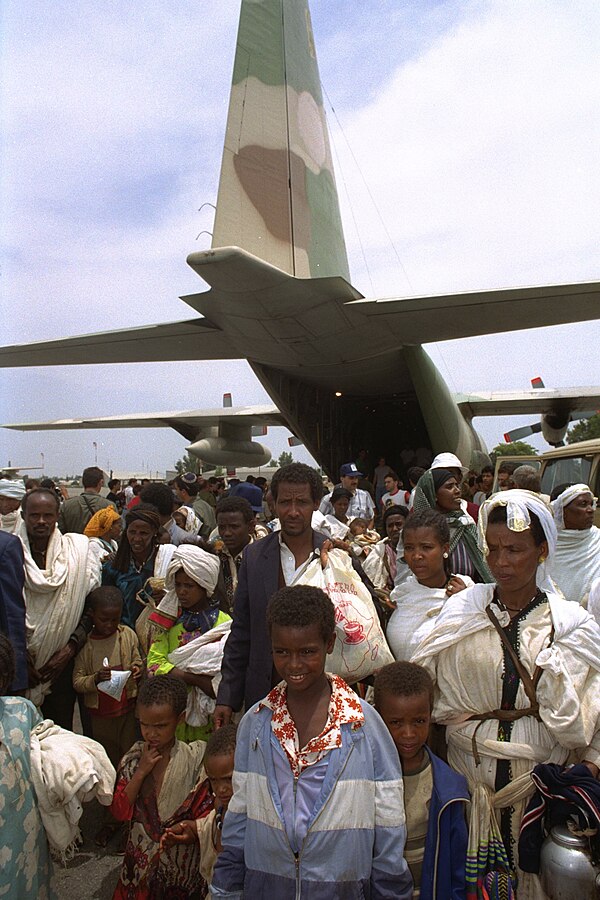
(190, 339)
(189, 423)
(522, 403)
(423, 320)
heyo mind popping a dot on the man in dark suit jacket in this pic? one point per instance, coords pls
(268, 564)
(12, 604)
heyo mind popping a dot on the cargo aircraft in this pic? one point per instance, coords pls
(344, 372)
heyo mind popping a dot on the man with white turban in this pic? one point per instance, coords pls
(517, 674)
(577, 560)
(194, 634)
(11, 494)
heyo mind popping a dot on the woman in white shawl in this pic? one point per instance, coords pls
(576, 562)
(194, 634)
(517, 674)
(419, 600)
(60, 571)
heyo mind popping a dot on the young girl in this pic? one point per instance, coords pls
(192, 647)
(26, 868)
(318, 805)
(419, 600)
(160, 782)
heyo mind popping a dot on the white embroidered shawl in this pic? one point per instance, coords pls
(55, 596)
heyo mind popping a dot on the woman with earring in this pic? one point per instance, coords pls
(518, 679)
(138, 558)
(439, 489)
(194, 633)
(419, 600)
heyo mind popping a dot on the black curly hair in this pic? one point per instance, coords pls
(221, 742)
(402, 679)
(167, 689)
(298, 473)
(301, 606)
(234, 505)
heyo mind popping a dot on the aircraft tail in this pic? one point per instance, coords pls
(277, 194)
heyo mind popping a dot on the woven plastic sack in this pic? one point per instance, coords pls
(360, 646)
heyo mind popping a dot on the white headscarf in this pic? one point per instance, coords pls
(200, 566)
(518, 505)
(15, 490)
(567, 496)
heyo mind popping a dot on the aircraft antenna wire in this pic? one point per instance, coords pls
(352, 213)
(372, 198)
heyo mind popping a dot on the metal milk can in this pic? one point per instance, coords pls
(567, 872)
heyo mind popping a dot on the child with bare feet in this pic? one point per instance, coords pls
(160, 782)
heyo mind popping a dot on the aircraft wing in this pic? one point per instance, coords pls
(190, 424)
(423, 320)
(522, 403)
(190, 339)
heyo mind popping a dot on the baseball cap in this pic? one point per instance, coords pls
(350, 469)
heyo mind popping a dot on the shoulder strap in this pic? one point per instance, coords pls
(529, 683)
(89, 505)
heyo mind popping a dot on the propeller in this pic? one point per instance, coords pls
(552, 425)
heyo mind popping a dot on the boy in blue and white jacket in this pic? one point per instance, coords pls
(435, 795)
(317, 808)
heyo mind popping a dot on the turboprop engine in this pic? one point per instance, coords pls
(224, 451)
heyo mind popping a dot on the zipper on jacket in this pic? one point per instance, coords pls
(437, 846)
(297, 863)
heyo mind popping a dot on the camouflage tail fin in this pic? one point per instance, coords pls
(277, 194)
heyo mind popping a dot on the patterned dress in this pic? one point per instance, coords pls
(171, 873)
(26, 870)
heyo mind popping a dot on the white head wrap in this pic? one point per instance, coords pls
(200, 566)
(448, 461)
(192, 522)
(518, 505)
(567, 496)
(15, 490)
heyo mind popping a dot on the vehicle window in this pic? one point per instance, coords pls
(571, 470)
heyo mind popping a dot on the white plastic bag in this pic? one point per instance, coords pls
(116, 685)
(360, 646)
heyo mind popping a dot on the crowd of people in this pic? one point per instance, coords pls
(179, 628)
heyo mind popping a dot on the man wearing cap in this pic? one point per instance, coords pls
(361, 505)
(250, 492)
(11, 494)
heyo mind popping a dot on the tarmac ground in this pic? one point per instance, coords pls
(93, 872)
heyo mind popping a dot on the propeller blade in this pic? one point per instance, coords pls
(525, 431)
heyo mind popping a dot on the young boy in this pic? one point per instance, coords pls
(317, 807)
(112, 720)
(160, 783)
(218, 765)
(434, 795)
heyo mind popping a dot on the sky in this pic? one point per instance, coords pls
(466, 141)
